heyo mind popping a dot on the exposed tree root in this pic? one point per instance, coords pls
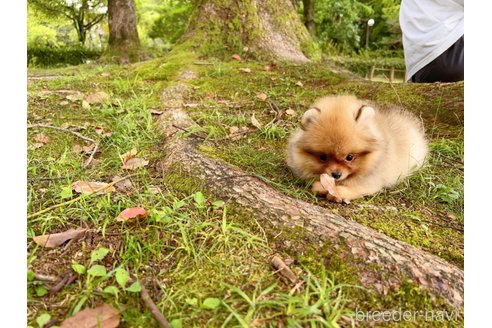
(393, 258)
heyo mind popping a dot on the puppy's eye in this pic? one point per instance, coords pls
(349, 158)
(323, 158)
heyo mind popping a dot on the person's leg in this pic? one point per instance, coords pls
(448, 67)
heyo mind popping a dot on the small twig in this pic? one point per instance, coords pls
(283, 269)
(149, 303)
(438, 224)
(187, 131)
(46, 178)
(276, 109)
(297, 287)
(235, 134)
(202, 63)
(74, 133)
(95, 192)
(60, 284)
(44, 277)
(50, 323)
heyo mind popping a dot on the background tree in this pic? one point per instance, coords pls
(341, 23)
(308, 6)
(83, 14)
(123, 35)
(266, 28)
(171, 21)
(386, 32)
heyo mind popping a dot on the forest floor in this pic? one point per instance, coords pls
(206, 262)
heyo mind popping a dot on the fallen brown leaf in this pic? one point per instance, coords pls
(255, 122)
(154, 190)
(130, 162)
(134, 163)
(236, 57)
(291, 112)
(75, 97)
(299, 84)
(156, 112)
(85, 187)
(85, 104)
(245, 70)
(105, 74)
(130, 154)
(42, 138)
(102, 132)
(56, 239)
(124, 186)
(35, 145)
(329, 184)
(103, 316)
(97, 97)
(131, 213)
(94, 162)
(262, 96)
(77, 149)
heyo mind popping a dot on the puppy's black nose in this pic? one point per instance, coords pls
(336, 174)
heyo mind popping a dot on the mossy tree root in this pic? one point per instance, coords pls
(393, 258)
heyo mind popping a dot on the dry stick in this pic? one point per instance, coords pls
(149, 303)
(60, 284)
(44, 277)
(153, 308)
(276, 109)
(283, 269)
(74, 133)
(191, 133)
(95, 192)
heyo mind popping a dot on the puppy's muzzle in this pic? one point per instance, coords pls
(336, 174)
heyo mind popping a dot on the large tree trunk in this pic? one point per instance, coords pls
(269, 29)
(123, 35)
(309, 16)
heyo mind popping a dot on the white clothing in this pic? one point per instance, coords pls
(429, 28)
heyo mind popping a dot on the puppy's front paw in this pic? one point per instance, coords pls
(345, 194)
(335, 199)
(318, 189)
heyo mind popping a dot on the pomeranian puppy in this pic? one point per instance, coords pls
(363, 147)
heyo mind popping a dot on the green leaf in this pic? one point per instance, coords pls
(79, 305)
(191, 301)
(177, 323)
(134, 288)
(30, 275)
(199, 199)
(99, 254)
(78, 268)
(163, 216)
(121, 277)
(41, 290)
(210, 303)
(43, 319)
(111, 290)
(178, 204)
(97, 271)
(66, 192)
(218, 204)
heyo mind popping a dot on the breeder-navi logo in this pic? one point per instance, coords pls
(405, 315)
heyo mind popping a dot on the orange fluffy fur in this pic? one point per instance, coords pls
(363, 146)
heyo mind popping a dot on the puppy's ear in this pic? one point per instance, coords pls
(364, 114)
(309, 116)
